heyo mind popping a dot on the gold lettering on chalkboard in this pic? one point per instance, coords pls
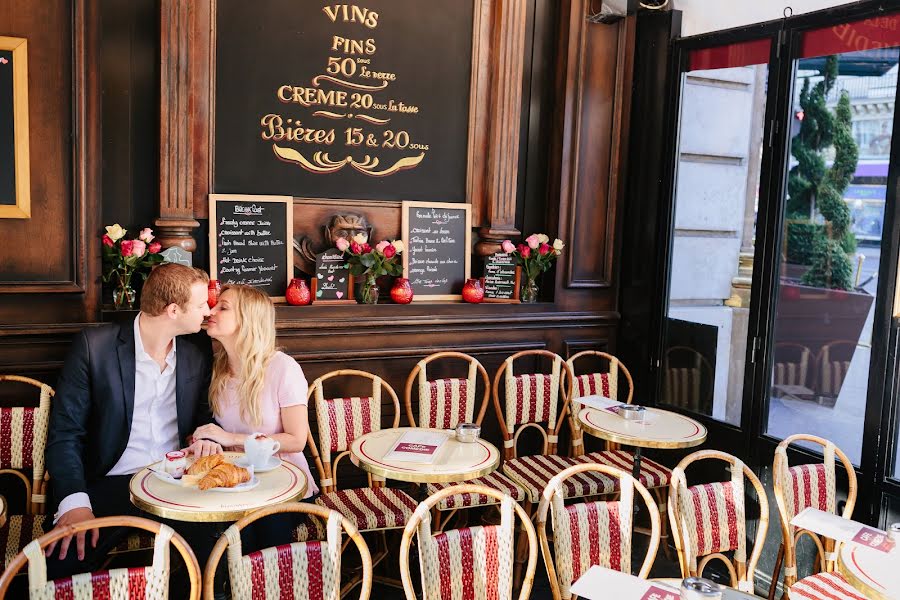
(350, 13)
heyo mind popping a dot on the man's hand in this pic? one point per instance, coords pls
(200, 448)
(76, 515)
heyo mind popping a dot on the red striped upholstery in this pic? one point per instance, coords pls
(293, 571)
(533, 397)
(494, 481)
(131, 583)
(713, 519)
(17, 437)
(342, 420)
(309, 528)
(534, 472)
(18, 532)
(599, 384)
(474, 563)
(810, 485)
(591, 533)
(824, 586)
(652, 474)
(444, 403)
(371, 508)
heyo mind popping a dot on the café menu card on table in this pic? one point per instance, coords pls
(417, 446)
(843, 530)
(600, 583)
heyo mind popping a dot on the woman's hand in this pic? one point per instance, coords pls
(214, 433)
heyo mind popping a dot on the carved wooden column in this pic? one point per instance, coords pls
(509, 19)
(176, 224)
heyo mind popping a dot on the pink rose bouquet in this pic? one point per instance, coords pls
(535, 256)
(122, 258)
(383, 259)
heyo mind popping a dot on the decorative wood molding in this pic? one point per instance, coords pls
(508, 24)
(176, 224)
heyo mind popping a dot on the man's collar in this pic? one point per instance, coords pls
(139, 352)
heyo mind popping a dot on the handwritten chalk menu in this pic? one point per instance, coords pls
(501, 282)
(361, 100)
(250, 241)
(332, 276)
(7, 131)
(438, 248)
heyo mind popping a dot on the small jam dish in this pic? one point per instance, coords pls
(631, 412)
(468, 432)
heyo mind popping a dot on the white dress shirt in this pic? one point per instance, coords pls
(154, 422)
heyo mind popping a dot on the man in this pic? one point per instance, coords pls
(128, 394)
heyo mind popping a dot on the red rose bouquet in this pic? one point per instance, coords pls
(123, 258)
(383, 259)
(535, 256)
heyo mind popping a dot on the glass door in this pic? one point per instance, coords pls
(717, 183)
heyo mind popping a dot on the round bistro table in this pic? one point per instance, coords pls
(2, 511)
(661, 429)
(455, 461)
(187, 503)
(872, 572)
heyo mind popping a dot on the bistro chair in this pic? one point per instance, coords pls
(23, 440)
(340, 422)
(474, 562)
(688, 379)
(538, 401)
(592, 533)
(144, 583)
(832, 365)
(800, 487)
(709, 520)
(653, 475)
(443, 404)
(793, 364)
(301, 570)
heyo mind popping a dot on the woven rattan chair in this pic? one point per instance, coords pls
(592, 533)
(301, 570)
(144, 583)
(474, 562)
(803, 486)
(653, 475)
(443, 404)
(23, 440)
(709, 519)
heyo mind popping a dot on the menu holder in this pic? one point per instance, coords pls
(417, 446)
(843, 530)
(502, 278)
(333, 282)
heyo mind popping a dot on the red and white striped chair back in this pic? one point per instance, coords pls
(135, 583)
(298, 571)
(710, 519)
(809, 485)
(594, 532)
(445, 403)
(23, 439)
(471, 563)
(600, 384)
(342, 420)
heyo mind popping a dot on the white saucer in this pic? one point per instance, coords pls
(274, 463)
(243, 487)
(162, 476)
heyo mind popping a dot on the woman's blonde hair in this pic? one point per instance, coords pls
(255, 317)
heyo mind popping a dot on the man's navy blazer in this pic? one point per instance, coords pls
(91, 414)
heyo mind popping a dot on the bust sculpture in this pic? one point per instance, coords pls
(346, 225)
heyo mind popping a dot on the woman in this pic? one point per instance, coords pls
(254, 387)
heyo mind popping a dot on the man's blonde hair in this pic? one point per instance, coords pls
(255, 344)
(169, 283)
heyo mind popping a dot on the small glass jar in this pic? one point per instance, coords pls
(297, 293)
(697, 588)
(214, 288)
(176, 463)
(894, 532)
(473, 291)
(402, 292)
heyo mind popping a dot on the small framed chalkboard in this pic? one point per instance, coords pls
(438, 248)
(250, 241)
(333, 282)
(15, 179)
(501, 278)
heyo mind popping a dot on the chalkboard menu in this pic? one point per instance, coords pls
(501, 278)
(333, 282)
(366, 100)
(249, 241)
(7, 131)
(438, 244)
(15, 178)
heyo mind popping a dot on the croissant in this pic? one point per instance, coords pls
(224, 475)
(203, 464)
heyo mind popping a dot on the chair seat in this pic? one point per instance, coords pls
(18, 533)
(829, 586)
(495, 480)
(142, 540)
(371, 508)
(534, 472)
(653, 474)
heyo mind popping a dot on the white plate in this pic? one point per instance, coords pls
(159, 474)
(274, 463)
(249, 485)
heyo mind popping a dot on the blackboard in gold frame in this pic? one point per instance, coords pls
(332, 282)
(502, 278)
(15, 178)
(250, 241)
(438, 237)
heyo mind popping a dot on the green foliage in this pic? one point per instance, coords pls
(801, 239)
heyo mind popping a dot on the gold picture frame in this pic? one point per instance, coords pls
(14, 56)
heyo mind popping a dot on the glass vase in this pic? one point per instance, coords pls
(123, 296)
(529, 294)
(369, 292)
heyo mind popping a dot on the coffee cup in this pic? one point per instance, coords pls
(259, 448)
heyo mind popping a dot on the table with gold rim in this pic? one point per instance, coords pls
(2, 511)
(287, 483)
(456, 461)
(872, 572)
